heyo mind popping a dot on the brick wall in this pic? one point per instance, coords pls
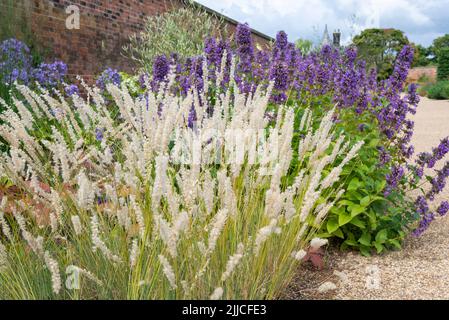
(416, 73)
(105, 26)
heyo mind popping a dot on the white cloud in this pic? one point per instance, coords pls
(299, 17)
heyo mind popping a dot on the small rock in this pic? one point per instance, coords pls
(342, 276)
(327, 286)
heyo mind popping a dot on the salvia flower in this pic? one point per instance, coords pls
(109, 76)
(72, 89)
(50, 74)
(443, 208)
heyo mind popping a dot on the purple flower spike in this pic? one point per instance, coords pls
(443, 208)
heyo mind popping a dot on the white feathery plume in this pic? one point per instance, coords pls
(3, 257)
(133, 253)
(76, 222)
(168, 271)
(233, 262)
(89, 275)
(36, 244)
(98, 243)
(217, 294)
(86, 194)
(216, 228)
(4, 225)
(264, 233)
(53, 266)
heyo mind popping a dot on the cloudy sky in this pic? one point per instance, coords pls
(422, 20)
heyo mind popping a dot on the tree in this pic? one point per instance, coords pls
(422, 56)
(443, 64)
(379, 47)
(438, 44)
(304, 45)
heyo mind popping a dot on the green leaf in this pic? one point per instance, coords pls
(351, 242)
(354, 195)
(395, 243)
(323, 235)
(365, 201)
(356, 210)
(338, 233)
(332, 225)
(365, 251)
(344, 218)
(382, 236)
(375, 198)
(345, 203)
(379, 247)
(359, 223)
(374, 142)
(365, 239)
(354, 184)
(380, 185)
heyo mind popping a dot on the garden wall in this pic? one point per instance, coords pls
(416, 73)
(105, 26)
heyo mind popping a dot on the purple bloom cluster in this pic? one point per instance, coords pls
(161, 67)
(99, 134)
(424, 223)
(15, 62)
(443, 208)
(16, 65)
(393, 179)
(71, 90)
(50, 74)
(439, 181)
(109, 76)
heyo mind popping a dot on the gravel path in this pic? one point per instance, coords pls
(418, 271)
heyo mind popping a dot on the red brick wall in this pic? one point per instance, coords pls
(105, 26)
(416, 73)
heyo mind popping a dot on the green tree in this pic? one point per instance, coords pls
(438, 44)
(422, 56)
(443, 64)
(305, 45)
(379, 47)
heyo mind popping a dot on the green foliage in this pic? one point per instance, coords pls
(379, 47)
(439, 90)
(439, 44)
(182, 31)
(364, 218)
(422, 56)
(443, 64)
(131, 82)
(305, 45)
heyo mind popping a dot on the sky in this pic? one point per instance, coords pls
(421, 20)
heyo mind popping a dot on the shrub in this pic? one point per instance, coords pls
(443, 64)
(439, 90)
(155, 208)
(181, 31)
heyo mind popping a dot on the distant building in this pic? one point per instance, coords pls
(326, 40)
